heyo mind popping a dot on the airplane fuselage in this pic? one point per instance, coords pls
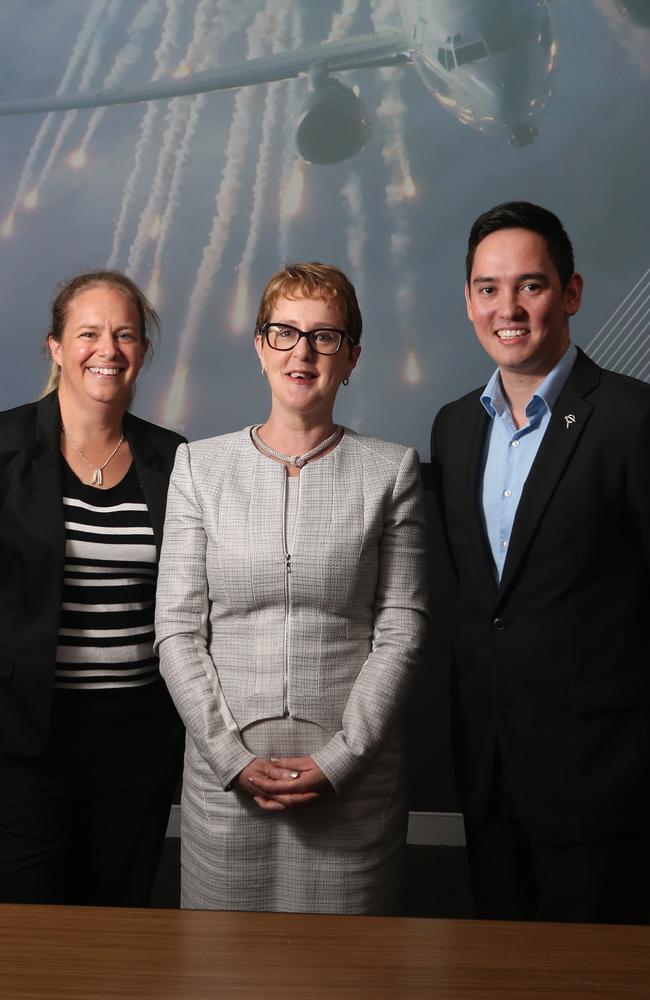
(488, 62)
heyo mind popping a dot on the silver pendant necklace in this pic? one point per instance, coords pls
(297, 461)
(97, 478)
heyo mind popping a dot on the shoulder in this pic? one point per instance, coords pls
(160, 438)
(621, 403)
(382, 463)
(458, 410)
(18, 426)
(210, 455)
(625, 390)
(18, 416)
(209, 449)
(372, 449)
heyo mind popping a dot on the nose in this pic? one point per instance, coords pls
(106, 344)
(303, 348)
(510, 307)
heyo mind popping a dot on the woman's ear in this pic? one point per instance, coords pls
(259, 347)
(55, 349)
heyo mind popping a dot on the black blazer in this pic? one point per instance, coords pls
(32, 543)
(553, 664)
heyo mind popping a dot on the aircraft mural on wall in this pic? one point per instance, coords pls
(488, 62)
(198, 194)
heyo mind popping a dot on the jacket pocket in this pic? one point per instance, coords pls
(611, 695)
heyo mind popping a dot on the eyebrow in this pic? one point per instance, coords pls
(526, 276)
(99, 326)
(293, 323)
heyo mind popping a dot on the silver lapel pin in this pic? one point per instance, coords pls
(570, 419)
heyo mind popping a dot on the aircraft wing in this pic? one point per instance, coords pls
(384, 49)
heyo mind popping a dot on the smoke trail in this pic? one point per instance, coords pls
(634, 40)
(80, 47)
(399, 189)
(241, 313)
(356, 229)
(292, 178)
(342, 21)
(292, 173)
(226, 22)
(225, 205)
(392, 111)
(174, 123)
(385, 14)
(125, 59)
(91, 66)
(164, 57)
(180, 126)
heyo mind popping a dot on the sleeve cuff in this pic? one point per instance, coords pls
(337, 762)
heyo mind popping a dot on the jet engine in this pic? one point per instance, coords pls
(332, 123)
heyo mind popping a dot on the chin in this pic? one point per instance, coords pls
(116, 396)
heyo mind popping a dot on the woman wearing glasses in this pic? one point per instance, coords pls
(290, 615)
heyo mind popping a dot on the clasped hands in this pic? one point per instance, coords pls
(283, 782)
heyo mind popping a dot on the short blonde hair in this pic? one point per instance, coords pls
(67, 290)
(313, 281)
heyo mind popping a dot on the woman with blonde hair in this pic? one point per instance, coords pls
(90, 743)
(290, 615)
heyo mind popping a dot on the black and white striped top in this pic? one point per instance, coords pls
(107, 614)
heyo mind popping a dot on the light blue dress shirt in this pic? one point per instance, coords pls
(510, 453)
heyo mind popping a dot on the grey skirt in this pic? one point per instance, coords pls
(344, 854)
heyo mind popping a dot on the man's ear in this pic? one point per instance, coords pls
(468, 303)
(573, 294)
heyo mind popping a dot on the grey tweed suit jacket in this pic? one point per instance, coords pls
(326, 626)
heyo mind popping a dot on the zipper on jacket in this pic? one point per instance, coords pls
(287, 601)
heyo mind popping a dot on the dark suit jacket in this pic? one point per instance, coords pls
(553, 664)
(32, 541)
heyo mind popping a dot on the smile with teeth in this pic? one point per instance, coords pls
(105, 371)
(302, 376)
(508, 334)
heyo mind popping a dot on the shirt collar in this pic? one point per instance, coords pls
(546, 393)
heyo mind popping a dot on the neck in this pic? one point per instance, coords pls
(295, 434)
(518, 389)
(92, 422)
(519, 386)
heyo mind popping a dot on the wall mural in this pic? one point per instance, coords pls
(199, 145)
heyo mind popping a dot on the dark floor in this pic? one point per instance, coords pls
(437, 881)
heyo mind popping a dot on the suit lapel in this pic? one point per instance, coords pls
(569, 418)
(47, 473)
(152, 479)
(469, 492)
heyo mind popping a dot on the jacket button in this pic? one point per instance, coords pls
(499, 624)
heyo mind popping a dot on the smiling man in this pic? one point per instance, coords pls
(543, 492)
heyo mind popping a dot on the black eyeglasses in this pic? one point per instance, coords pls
(282, 337)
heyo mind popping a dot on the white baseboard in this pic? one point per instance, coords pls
(436, 829)
(432, 828)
